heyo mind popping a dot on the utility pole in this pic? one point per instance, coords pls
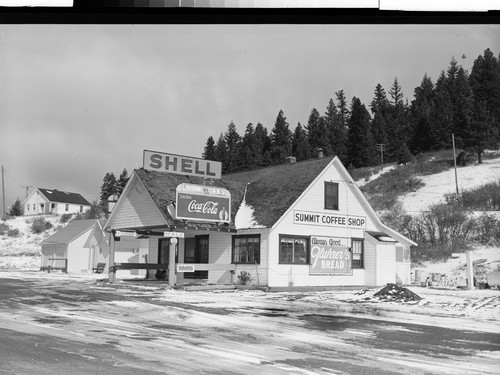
(454, 161)
(381, 148)
(3, 193)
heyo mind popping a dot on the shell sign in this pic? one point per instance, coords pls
(203, 203)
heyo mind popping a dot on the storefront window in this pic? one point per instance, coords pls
(357, 253)
(331, 195)
(246, 249)
(294, 250)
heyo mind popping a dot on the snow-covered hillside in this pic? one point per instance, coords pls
(436, 186)
(23, 250)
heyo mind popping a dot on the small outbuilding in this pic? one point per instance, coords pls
(65, 249)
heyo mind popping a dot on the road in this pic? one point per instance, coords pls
(61, 326)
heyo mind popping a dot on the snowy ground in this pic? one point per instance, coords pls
(437, 185)
(26, 243)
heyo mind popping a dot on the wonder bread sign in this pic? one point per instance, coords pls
(178, 164)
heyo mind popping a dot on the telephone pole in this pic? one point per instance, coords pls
(381, 148)
(454, 160)
(3, 193)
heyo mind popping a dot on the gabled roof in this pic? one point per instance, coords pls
(98, 234)
(162, 188)
(54, 195)
(272, 190)
(70, 232)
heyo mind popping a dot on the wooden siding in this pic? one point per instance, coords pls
(79, 256)
(370, 260)
(386, 263)
(313, 201)
(136, 209)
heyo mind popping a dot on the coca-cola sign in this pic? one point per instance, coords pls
(203, 203)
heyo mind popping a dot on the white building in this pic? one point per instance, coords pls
(66, 250)
(53, 201)
(302, 224)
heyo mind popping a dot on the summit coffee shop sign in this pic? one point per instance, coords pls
(178, 164)
(203, 203)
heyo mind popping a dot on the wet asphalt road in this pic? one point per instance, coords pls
(67, 326)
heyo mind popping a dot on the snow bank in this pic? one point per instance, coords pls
(244, 218)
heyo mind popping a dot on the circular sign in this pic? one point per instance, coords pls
(173, 241)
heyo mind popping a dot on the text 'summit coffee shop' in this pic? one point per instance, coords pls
(296, 224)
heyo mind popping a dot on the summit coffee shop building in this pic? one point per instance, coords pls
(297, 224)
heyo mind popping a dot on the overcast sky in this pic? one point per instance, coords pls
(77, 101)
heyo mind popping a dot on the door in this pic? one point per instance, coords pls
(196, 251)
(164, 257)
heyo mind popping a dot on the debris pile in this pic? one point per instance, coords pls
(393, 292)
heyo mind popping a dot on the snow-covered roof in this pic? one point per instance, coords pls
(57, 196)
(70, 232)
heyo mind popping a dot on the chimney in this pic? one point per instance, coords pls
(320, 152)
(290, 160)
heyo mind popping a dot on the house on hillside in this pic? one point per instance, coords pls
(66, 250)
(299, 224)
(53, 201)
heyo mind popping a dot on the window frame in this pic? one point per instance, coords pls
(362, 258)
(335, 205)
(245, 236)
(307, 250)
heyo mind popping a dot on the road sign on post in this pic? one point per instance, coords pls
(173, 234)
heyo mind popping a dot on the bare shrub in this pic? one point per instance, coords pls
(3, 228)
(13, 232)
(40, 225)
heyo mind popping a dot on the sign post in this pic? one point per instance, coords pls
(171, 263)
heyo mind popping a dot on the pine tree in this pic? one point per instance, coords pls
(109, 187)
(342, 108)
(397, 126)
(316, 133)
(122, 182)
(463, 101)
(442, 114)
(381, 111)
(262, 146)
(16, 209)
(361, 148)
(209, 150)
(300, 145)
(336, 132)
(281, 140)
(482, 132)
(233, 156)
(249, 148)
(421, 122)
(221, 152)
(485, 83)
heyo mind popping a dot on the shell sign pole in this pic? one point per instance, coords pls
(203, 203)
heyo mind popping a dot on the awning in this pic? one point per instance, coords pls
(381, 236)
